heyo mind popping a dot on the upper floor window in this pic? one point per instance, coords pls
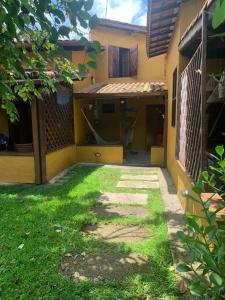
(174, 99)
(122, 61)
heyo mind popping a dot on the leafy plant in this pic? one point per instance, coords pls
(30, 31)
(204, 239)
(219, 14)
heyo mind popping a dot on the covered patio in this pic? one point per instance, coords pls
(121, 123)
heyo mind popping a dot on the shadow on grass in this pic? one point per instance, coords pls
(39, 224)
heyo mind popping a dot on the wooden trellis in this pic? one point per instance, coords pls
(59, 124)
(189, 129)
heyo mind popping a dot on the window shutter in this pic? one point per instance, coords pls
(113, 61)
(133, 61)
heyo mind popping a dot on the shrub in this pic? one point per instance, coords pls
(204, 238)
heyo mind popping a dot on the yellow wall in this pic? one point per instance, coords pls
(148, 69)
(17, 169)
(80, 57)
(3, 122)
(109, 154)
(182, 181)
(157, 156)
(59, 160)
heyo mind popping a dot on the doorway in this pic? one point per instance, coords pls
(155, 122)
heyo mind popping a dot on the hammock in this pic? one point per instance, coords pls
(98, 138)
(129, 133)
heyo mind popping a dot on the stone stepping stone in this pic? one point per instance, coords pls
(117, 233)
(124, 198)
(120, 211)
(138, 184)
(139, 170)
(103, 266)
(140, 177)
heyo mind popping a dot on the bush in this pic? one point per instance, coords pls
(204, 239)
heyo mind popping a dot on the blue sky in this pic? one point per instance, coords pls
(130, 11)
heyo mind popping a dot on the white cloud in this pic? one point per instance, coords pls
(124, 11)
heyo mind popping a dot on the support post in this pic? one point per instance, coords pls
(42, 140)
(203, 90)
(36, 140)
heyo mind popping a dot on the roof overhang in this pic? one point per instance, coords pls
(192, 36)
(122, 90)
(162, 16)
(122, 26)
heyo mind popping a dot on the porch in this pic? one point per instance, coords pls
(41, 143)
(121, 124)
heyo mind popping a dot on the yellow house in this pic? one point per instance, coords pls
(182, 30)
(154, 108)
(120, 111)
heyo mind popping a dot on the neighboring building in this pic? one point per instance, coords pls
(182, 30)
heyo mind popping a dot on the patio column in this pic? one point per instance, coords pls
(38, 130)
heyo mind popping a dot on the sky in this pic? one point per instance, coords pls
(129, 11)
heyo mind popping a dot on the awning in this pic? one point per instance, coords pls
(162, 16)
(122, 90)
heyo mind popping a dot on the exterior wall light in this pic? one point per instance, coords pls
(98, 154)
(185, 193)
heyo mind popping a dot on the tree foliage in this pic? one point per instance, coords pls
(29, 35)
(205, 244)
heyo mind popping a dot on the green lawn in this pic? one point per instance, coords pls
(38, 224)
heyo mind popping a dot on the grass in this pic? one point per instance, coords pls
(38, 224)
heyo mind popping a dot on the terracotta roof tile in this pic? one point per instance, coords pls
(124, 89)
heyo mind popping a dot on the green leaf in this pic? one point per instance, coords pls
(88, 4)
(182, 236)
(220, 149)
(183, 268)
(97, 46)
(93, 22)
(82, 69)
(59, 14)
(205, 175)
(196, 289)
(199, 187)
(219, 14)
(193, 225)
(92, 64)
(216, 279)
(64, 30)
(84, 41)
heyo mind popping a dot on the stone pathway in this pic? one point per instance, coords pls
(124, 198)
(110, 266)
(139, 177)
(111, 210)
(138, 184)
(118, 233)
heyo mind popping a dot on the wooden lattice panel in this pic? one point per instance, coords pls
(189, 129)
(59, 119)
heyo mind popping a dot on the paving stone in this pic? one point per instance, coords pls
(138, 184)
(103, 266)
(124, 198)
(139, 170)
(139, 177)
(120, 211)
(117, 233)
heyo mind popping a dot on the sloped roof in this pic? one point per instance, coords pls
(122, 90)
(162, 16)
(122, 26)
